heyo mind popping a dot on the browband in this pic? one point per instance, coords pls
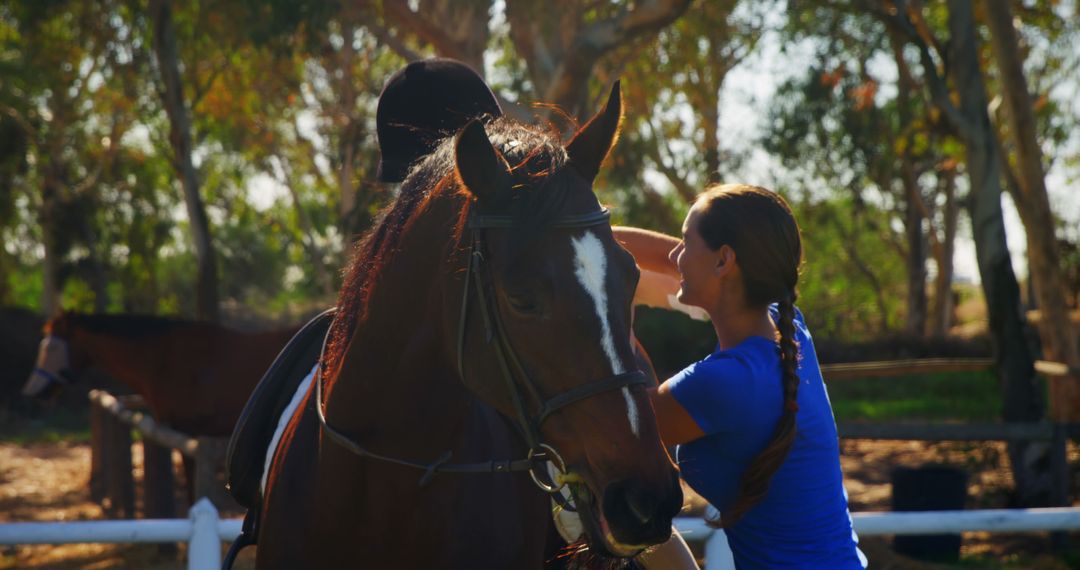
(497, 221)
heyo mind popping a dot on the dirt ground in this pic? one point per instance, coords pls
(50, 482)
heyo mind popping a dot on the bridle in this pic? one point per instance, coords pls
(512, 372)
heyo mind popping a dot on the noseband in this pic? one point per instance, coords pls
(60, 377)
(495, 334)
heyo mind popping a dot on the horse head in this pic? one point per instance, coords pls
(53, 368)
(546, 322)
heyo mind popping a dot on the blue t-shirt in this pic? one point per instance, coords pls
(736, 397)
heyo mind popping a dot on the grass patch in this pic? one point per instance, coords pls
(1069, 558)
(963, 396)
(50, 426)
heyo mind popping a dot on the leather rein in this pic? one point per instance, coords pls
(540, 454)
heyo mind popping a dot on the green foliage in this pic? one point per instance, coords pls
(850, 286)
(64, 423)
(282, 97)
(673, 340)
(959, 396)
(672, 91)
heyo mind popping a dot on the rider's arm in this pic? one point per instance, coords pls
(674, 422)
(656, 289)
(650, 249)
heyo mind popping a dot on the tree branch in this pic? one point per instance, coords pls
(312, 152)
(644, 18)
(20, 120)
(201, 89)
(900, 21)
(602, 36)
(391, 41)
(106, 160)
(655, 152)
(428, 31)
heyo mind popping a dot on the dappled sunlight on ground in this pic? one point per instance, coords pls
(50, 482)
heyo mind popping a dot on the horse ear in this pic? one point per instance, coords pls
(592, 142)
(479, 167)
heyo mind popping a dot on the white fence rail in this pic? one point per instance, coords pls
(204, 531)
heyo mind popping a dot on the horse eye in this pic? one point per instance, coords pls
(523, 303)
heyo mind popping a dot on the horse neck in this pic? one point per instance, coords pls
(397, 367)
(134, 361)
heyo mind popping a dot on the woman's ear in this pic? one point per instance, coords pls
(725, 259)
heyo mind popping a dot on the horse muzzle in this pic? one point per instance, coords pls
(640, 515)
(631, 516)
(43, 384)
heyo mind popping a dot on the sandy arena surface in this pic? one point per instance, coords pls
(50, 482)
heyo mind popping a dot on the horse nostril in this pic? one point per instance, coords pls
(642, 510)
(639, 513)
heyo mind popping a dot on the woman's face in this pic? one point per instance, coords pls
(697, 264)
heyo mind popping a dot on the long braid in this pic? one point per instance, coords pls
(759, 226)
(755, 480)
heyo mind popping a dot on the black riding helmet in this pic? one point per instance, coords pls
(423, 103)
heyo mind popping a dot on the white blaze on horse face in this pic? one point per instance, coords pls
(52, 358)
(590, 267)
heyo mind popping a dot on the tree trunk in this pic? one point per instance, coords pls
(1059, 339)
(915, 210)
(1020, 390)
(562, 48)
(941, 314)
(710, 126)
(915, 324)
(455, 28)
(347, 143)
(50, 197)
(180, 138)
(98, 274)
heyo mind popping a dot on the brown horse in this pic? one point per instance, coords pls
(484, 320)
(195, 376)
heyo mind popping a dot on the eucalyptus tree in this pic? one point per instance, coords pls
(1033, 203)
(855, 122)
(232, 80)
(672, 91)
(953, 80)
(67, 99)
(555, 49)
(673, 55)
(175, 103)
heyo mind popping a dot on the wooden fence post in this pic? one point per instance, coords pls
(208, 461)
(121, 482)
(1059, 470)
(159, 501)
(97, 452)
(108, 426)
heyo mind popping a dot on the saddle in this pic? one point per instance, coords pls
(247, 446)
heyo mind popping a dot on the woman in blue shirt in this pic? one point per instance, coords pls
(752, 423)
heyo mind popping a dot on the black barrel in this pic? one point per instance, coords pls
(929, 488)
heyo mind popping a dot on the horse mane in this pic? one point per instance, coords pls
(536, 157)
(127, 325)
